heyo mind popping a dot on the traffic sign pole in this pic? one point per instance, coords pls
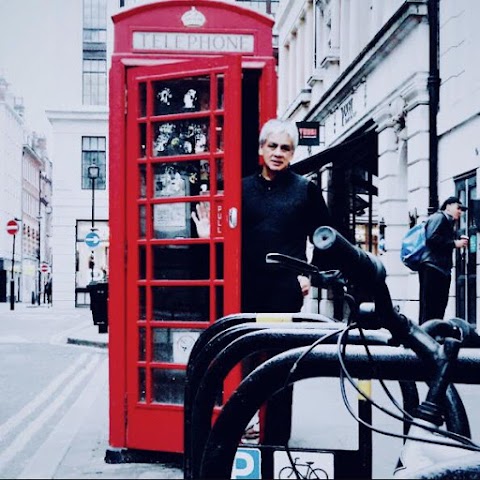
(12, 229)
(12, 281)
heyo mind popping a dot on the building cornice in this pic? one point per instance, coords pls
(78, 115)
(403, 21)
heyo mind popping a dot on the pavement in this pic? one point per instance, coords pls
(77, 446)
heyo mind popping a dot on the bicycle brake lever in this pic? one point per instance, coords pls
(328, 278)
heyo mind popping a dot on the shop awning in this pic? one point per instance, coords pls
(360, 149)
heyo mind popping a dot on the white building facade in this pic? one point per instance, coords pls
(362, 70)
(79, 119)
(11, 144)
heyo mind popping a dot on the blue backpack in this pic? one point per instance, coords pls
(413, 246)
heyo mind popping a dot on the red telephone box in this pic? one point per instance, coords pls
(190, 84)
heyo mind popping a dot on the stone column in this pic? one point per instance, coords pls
(292, 64)
(345, 33)
(393, 194)
(403, 165)
(300, 55)
(354, 26)
(309, 39)
(335, 28)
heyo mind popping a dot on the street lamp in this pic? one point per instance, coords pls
(39, 218)
(93, 173)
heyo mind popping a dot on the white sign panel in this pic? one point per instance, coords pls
(317, 465)
(194, 42)
(182, 345)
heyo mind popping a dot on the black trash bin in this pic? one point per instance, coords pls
(99, 305)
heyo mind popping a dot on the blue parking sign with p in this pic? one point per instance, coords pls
(247, 463)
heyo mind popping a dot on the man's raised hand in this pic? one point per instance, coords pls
(201, 219)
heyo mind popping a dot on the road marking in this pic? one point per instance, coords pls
(45, 395)
(23, 438)
(47, 458)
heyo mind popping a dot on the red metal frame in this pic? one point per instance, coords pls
(142, 425)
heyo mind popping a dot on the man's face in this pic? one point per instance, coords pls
(277, 152)
(454, 210)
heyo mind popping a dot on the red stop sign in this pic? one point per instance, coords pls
(12, 227)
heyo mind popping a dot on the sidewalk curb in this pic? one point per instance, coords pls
(87, 343)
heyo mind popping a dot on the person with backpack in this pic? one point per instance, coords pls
(436, 263)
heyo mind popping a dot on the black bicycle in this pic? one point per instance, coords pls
(434, 353)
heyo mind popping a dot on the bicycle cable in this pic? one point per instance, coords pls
(465, 443)
(375, 368)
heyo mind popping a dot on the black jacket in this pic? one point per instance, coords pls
(440, 240)
(277, 216)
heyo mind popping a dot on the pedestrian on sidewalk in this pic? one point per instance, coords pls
(436, 264)
(48, 291)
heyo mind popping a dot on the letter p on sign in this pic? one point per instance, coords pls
(247, 463)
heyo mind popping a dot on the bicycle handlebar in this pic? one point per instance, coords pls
(355, 263)
(364, 268)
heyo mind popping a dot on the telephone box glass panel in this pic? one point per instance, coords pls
(190, 94)
(142, 225)
(142, 303)
(180, 137)
(142, 263)
(219, 134)
(142, 100)
(220, 92)
(142, 179)
(142, 147)
(168, 386)
(172, 220)
(181, 262)
(189, 304)
(142, 385)
(181, 179)
(173, 345)
(142, 344)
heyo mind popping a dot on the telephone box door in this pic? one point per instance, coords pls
(183, 151)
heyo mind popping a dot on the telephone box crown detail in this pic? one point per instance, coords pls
(193, 18)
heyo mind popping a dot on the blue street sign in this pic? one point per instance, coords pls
(247, 464)
(92, 239)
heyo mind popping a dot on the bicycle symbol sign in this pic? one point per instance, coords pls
(311, 465)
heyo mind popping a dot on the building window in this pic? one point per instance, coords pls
(263, 6)
(94, 152)
(94, 82)
(94, 52)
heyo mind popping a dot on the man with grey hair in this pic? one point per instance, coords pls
(280, 210)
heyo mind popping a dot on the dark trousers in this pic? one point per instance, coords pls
(434, 289)
(277, 424)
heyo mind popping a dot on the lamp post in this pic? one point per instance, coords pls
(93, 172)
(39, 218)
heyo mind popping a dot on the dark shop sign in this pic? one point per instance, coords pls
(308, 133)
